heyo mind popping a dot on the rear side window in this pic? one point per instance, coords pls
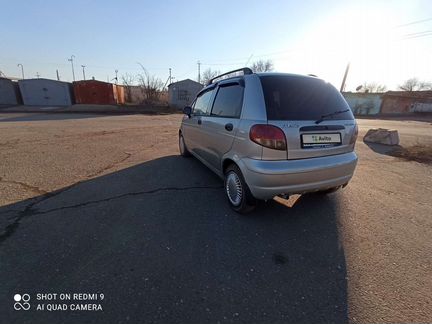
(302, 98)
(228, 102)
(202, 103)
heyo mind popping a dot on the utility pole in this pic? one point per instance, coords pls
(342, 88)
(22, 69)
(58, 76)
(71, 60)
(169, 80)
(199, 72)
(83, 67)
(116, 78)
(37, 75)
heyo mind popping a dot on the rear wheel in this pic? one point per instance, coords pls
(182, 147)
(239, 196)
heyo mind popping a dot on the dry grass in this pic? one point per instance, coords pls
(418, 153)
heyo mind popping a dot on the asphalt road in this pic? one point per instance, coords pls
(93, 204)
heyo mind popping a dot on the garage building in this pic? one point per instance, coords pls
(182, 93)
(9, 92)
(45, 92)
(98, 93)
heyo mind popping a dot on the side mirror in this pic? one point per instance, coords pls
(187, 111)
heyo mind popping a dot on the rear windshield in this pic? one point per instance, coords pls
(302, 98)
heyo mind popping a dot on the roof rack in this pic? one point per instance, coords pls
(245, 71)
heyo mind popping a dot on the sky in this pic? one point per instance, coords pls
(385, 41)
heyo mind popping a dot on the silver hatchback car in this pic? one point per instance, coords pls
(271, 134)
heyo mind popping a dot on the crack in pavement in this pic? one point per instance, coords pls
(31, 211)
(28, 211)
(36, 212)
(110, 166)
(46, 195)
(42, 192)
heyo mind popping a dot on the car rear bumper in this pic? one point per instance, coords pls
(267, 179)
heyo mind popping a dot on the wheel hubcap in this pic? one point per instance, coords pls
(234, 188)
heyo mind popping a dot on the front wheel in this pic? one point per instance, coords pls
(182, 147)
(239, 196)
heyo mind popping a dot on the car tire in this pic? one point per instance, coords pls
(237, 191)
(182, 147)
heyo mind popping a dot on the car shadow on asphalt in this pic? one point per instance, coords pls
(160, 242)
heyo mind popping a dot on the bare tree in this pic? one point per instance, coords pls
(414, 84)
(372, 87)
(128, 80)
(151, 86)
(208, 74)
(262, 66)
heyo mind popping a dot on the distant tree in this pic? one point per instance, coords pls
(151, 86)
(414, 84)
(207, 75)
(371, 87)
(128, 80)
(262, 66)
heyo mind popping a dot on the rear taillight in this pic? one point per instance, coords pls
(354, 135)
(269, 136)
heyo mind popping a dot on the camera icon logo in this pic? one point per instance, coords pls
(22, 302)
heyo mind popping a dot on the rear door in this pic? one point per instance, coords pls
(314, 116)
(220, 127)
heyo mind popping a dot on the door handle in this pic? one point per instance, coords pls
(199, 121)
(229, 127)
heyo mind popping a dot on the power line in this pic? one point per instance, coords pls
(247, 62)
(240, 60)
(36, 62)
(419, 33)
(189, 71)
(221, 64)
(279, 54)
(414, 22)
(418, 36)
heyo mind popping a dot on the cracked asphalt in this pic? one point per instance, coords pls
(104, 204)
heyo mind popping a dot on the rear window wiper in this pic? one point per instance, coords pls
(323, 117)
